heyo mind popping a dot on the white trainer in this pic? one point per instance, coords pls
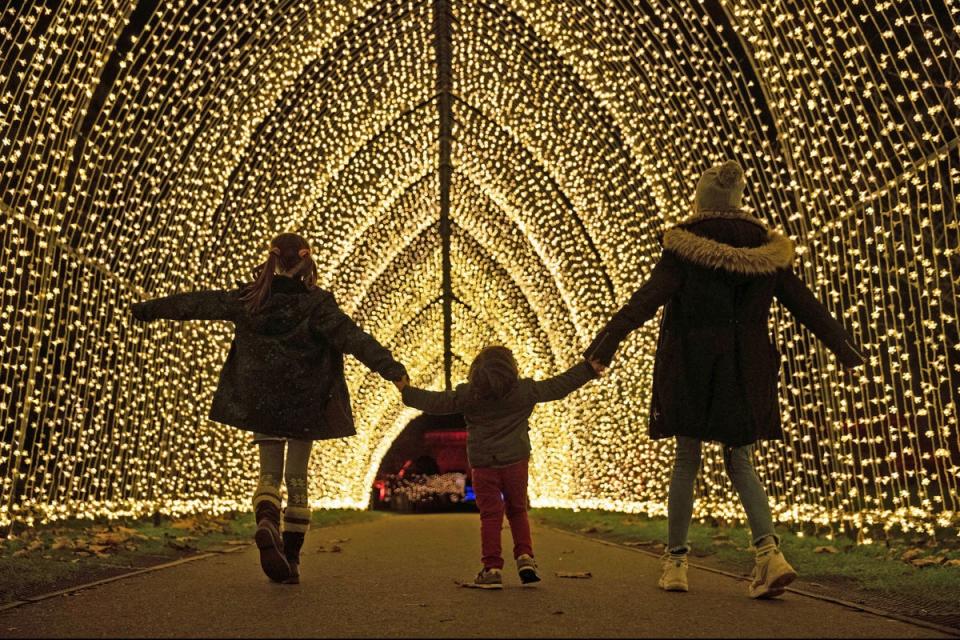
(674, 576)
(771, 574)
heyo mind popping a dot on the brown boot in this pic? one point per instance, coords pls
(269, 541)
(292, 543)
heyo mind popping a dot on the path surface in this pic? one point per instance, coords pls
(395, 577)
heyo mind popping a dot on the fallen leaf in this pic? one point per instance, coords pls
(721, 536)
(61, 543)
(639, 543)
(236, 542)
(558, 613)
(182, 543)
(826, 549)
(724, 542)
(574, 574)
(589, 530)
(469, 585)
(566, 551)
(340, 540)
(333, 549)
(910, 554)
(108, 538)
(927, 562)
(952, 563)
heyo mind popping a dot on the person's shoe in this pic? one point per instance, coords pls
(270, 543)
(292, 543)
(771, 574)
(527, 568)
(674, 572)
(489, 579)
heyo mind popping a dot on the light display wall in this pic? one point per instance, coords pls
(155, 147)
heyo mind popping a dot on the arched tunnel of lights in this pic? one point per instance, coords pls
(471, 171)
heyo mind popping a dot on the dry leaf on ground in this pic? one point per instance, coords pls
(910, 554)
(826, 549)
(574, 574)
(928, 562)
(639, 543)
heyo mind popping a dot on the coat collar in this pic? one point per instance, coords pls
(285, 284)
(776, 253)
(728, 214)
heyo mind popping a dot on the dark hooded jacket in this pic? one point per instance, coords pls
(716, 368)
(284, 373)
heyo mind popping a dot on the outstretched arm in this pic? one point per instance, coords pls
(664, 281)
(344, 334)
(433, 402)
(805, 307)
(562, 385)
(197, 305)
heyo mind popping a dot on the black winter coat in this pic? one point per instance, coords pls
(284, 373)
(716, 369)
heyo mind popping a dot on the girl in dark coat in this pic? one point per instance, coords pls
(716, 370)
(283, 380)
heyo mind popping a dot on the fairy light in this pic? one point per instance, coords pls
(580, 129)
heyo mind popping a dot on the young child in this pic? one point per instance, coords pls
(716, 371)
(283, 380)
(496, 406)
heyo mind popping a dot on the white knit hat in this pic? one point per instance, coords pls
(720, 188)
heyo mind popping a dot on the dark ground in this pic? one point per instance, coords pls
(395, 576)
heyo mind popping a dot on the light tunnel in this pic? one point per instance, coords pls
(151, 148)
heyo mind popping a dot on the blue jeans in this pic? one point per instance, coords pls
(739, 465)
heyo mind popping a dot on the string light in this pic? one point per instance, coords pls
(144, 158)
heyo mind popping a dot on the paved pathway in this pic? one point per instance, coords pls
(395, 577)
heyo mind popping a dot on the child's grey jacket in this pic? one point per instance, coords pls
(284, 373)
(498, 431)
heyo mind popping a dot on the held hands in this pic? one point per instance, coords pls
(402, 382)
(598, 367)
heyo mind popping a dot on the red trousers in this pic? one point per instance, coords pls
(496, 489)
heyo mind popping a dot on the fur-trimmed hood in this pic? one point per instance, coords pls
(776, 253)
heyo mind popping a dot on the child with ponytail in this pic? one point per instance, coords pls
(283, 380)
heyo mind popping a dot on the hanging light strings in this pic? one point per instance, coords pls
(148, 153)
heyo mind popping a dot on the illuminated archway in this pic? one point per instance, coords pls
(152, 148)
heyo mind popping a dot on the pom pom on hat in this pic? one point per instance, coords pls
(729, 173)
(720, 188)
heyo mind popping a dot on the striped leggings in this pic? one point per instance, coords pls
(296, 517)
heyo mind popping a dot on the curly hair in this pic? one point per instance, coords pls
(493, 373)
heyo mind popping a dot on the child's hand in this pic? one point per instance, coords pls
(402, 382)
(598, 367)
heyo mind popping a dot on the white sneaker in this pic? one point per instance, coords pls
(674, 576)
(771, 574)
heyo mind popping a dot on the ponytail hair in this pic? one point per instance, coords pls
(493, 373)
(288, 252)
